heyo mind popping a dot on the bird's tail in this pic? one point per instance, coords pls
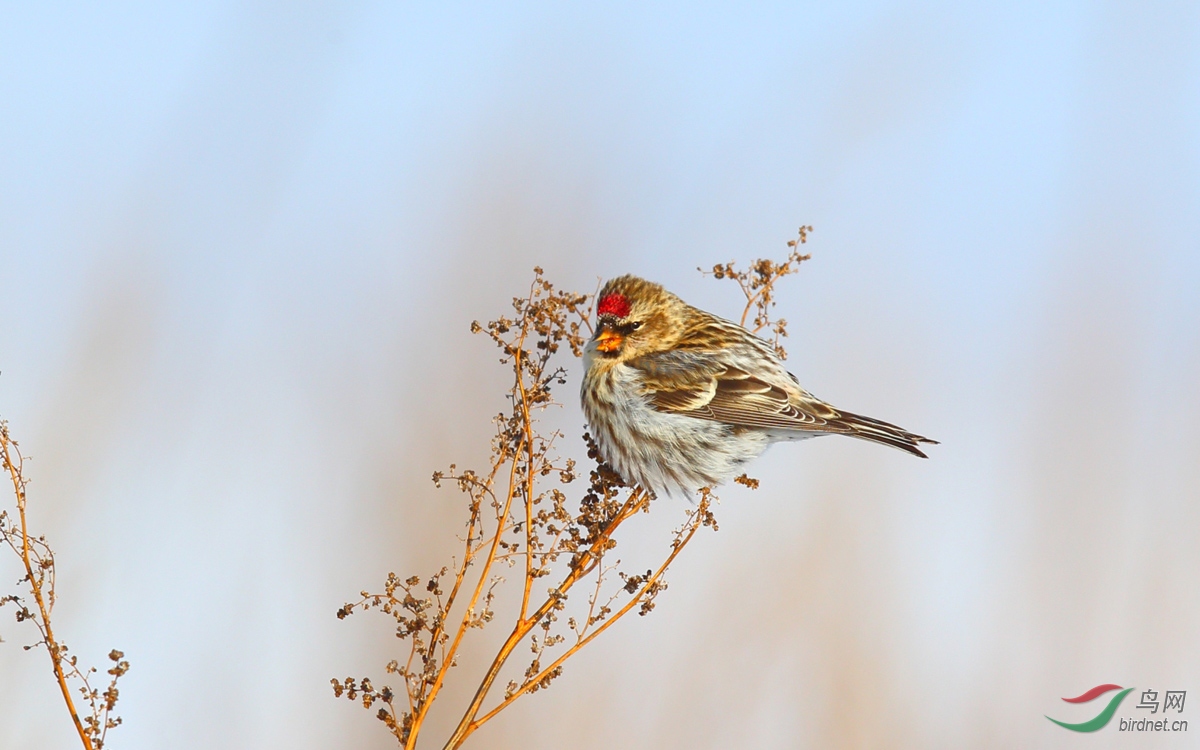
(878, 431)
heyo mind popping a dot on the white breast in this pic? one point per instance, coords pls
(663, 452)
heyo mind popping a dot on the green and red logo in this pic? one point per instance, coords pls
(1101, 718)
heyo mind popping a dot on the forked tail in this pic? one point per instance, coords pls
(878, 431)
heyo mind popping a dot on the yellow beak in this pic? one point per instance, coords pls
(608, 340)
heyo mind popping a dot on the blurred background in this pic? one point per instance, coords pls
(241, 245)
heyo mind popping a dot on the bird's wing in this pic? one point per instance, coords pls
(695, 385)
(698, 385)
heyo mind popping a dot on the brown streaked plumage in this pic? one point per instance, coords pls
(679, 399)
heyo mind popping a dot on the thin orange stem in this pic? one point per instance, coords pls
(463, 626)
(14, 472)
(501, 523)
(694, 525)
(586, 563)
(460, 575)
(527, 427)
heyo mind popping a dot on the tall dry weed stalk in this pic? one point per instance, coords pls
(520, 517)
(37, 558)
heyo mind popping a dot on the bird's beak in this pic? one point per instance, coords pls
(608, 340)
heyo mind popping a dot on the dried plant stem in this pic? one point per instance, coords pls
(758, 286)
(693, 524)
(35, 583)
(468, 615)
(524, 625)
(525, 446)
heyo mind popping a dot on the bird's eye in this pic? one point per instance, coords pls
(635, 325)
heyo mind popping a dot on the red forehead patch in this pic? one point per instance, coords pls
(613, 304)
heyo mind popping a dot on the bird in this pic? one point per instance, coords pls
(678, 399)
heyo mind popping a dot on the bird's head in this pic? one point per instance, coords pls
(635, 317)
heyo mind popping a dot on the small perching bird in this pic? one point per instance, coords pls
(679, 399)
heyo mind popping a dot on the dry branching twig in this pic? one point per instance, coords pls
(38, 560)
(758, 284)
(519, 517)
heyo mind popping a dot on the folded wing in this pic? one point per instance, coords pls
(689, 384)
